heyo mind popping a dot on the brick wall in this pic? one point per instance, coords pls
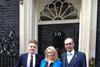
(9, 32)
(98, 37)
(9, 16)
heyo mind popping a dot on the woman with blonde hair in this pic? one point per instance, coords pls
(51, 58)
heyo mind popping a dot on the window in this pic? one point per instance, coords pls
(59, 10)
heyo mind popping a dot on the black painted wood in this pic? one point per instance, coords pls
(55, 35)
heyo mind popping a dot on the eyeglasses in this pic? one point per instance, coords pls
(68, 44)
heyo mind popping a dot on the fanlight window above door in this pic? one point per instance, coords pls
(59, 10)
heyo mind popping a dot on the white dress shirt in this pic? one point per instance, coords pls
(29, 58)
(70, 55)
(50, 63)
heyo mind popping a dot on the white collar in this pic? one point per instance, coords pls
(72, 52)
(31, 54)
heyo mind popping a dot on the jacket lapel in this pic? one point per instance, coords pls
(65, 60)
(36, 56)
(25, 58)
(74, 58)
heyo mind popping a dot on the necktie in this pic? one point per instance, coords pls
(69, 54)
(31, 61)
(51, 65)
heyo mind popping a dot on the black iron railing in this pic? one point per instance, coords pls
(8, 49)
(8, 61)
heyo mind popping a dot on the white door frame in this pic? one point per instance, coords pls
(87, 32)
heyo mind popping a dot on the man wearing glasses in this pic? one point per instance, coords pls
(72, 58)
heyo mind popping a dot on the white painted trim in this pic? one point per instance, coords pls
(93, 28)
(87, 33)
(84, 33)
(36, 22)
(33, 32)
(21, 28)
(58, 22)
(25, 25)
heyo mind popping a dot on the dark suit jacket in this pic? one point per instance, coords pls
(78, 60)
(23, 60)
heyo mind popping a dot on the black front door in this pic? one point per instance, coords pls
(55, 34)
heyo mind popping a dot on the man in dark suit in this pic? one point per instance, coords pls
(72, 58)
(30, 59)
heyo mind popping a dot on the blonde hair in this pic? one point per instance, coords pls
(54, 50)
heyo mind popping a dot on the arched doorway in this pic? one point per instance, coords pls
(57, 20)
